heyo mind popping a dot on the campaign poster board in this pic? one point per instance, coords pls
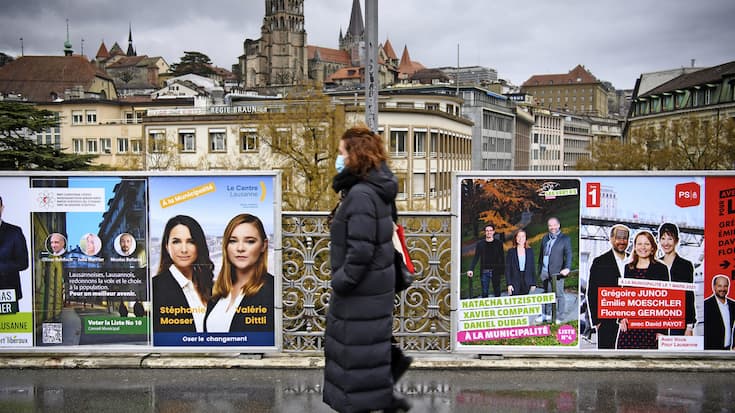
(489, 316)
(88, 291)
(655, 260)
(629, 303)
(16, 295)
(196, 210)
(719, 273)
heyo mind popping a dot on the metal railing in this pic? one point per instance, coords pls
(422, 312)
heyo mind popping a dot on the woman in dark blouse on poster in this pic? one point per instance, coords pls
(680, 270)
(643, 265)
(520, 270)
(183, 284)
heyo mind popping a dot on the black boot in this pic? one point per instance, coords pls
(398, 404)
(399, 363)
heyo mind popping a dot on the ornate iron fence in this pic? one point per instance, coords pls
(422, 312)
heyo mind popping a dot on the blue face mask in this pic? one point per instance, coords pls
(339, 164)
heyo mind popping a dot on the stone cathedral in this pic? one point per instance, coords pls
(279, 57)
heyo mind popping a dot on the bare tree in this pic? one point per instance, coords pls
(302, 139)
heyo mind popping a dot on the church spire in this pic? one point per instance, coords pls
(131, 50)
(357, 24)
(67, 44)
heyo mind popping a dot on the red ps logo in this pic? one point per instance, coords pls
(688, 194)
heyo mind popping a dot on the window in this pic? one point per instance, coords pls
(401, 177)
(217, 141)
(136, 145)
(187, 140)
(129, 117)
(707, 96)
(398, 142)
(679, 101)
(248, 140)
(122, 145)
(433, 142)
(91, 145)
(419, 143)
(77, 117)
(106, 145)
(282, 140)
(50, 136)
(91, 116)
(432, 106)
(78, 145)
(156, 140)
(418, 185)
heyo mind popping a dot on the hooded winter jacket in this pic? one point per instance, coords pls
(357, 347)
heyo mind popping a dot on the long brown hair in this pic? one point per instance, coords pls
(654, 247)
(515, 239)
(365, 149)
(227, 275)
(203, 267)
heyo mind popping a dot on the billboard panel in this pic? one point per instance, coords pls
(206, 245)
(16, 295)
(90, 259)
(518, 257)
(642, 263)
(645, 274)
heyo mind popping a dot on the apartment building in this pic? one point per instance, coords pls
(547, 142)
(427, 139)
(577, 92)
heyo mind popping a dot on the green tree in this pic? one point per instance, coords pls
(302, 138)
(18, 121)
(193, 62)
(687, 143)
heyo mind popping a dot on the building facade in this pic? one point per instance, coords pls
(427, 139)
(110, 130)
(547, 142)
(577, 92)
(493, 130)
(279, 56)
(522, 148)
(471, 75)
(577, 139)
(705, 97)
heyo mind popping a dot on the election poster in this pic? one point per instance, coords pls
(719, 274)
(16, 295)
(90, 260)
(642, 250)
(518, 257)
(214, 270)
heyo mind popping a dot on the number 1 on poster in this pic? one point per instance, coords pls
(593, 194)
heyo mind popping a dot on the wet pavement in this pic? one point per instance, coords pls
(299, 390)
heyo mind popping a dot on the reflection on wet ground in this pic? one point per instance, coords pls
(269, 390)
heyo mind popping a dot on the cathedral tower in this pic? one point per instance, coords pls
(279, 57)
(353, 41)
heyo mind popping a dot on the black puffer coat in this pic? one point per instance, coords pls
(357, 346)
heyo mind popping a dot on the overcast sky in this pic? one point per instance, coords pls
(616, 40)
